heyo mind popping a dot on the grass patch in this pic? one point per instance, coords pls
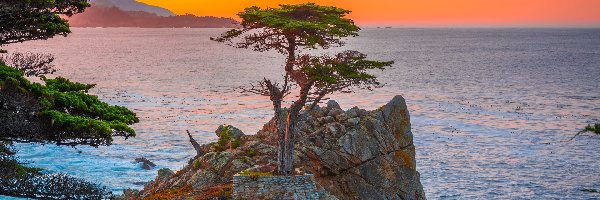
(197, 164)
(245, 159)
(250, 152)
(255, 175)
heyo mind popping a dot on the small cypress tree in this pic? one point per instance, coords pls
(59, 111)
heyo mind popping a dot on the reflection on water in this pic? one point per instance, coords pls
(489, 107)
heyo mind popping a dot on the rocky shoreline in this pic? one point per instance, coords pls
(353, 154)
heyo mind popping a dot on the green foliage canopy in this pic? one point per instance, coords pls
(74, 116)
(23, 20)
(290, 26)
(322, 75)
(346, 68)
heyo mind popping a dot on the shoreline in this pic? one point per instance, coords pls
(458, 108)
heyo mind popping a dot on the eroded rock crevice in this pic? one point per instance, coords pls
(376, 157)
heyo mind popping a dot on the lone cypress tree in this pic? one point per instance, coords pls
(287, 30)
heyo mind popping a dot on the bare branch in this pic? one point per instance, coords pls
(31, 64)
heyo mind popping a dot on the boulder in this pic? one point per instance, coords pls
(332, 104)
(146, 164)
(230, 130)
(164, 173)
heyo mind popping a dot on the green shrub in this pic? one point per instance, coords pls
(64, 85)
(236, 143)
(197, 164)
(245, 159)
(250, 152)
(226, 140)
(13, 78)
(594, 129)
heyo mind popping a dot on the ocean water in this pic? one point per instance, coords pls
(490, 108)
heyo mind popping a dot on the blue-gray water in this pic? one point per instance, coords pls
(490, 107)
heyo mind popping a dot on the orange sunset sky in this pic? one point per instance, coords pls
(423, 12)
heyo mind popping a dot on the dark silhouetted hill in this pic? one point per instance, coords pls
(99, 16)
(133, 5)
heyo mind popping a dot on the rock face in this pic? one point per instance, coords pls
(363, 155)
(354, 154)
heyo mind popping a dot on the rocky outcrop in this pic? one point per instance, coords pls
(354, 154)
(145, 163)
(197, 147)
(362, 155)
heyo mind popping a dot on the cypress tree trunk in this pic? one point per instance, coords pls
(286, 122)
(287, 165)
(280, 131)
(276, 95)
(289, 140)
(291, 51)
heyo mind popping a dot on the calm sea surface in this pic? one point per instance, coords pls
(490, 108)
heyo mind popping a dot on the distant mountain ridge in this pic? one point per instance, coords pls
(133, 5)
(100, 16)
